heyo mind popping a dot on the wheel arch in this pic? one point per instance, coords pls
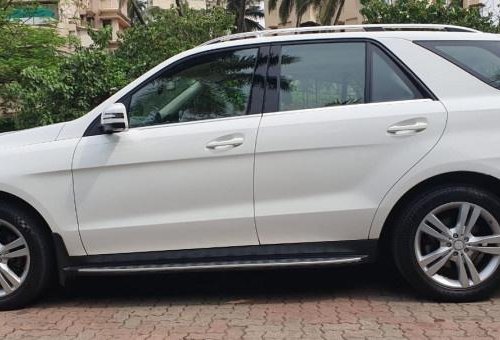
(477, 179)
(55, 241)
(11, 199)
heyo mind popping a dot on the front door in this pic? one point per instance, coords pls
(182, 176)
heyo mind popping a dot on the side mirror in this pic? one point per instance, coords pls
(114, 118)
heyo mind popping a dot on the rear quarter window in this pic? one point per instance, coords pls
(479, 58)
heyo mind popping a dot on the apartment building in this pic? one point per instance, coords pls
(75, 17)
(350, 14)
(195, 4)
(165, 4)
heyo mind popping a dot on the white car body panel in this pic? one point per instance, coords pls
(467, 145)
(37, 169)
(160, 188)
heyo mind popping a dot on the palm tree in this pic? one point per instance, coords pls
(135, 10)
(329, 10)
(246, 13)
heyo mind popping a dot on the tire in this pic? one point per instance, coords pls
(37, 267)
(413, 246)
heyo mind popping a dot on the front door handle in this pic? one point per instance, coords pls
(225, 143)
(408, 127)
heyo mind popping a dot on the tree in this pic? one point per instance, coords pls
(135, 11)
(246, 13)
(47, 95)
(423, 12)
(328, 9)
(22, 46)
(167, 34)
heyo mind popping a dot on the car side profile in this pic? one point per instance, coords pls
(296, 147)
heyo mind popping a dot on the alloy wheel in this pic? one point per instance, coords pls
(457, 245)
(14, 258)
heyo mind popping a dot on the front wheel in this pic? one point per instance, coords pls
(446, 243)
(26, 260)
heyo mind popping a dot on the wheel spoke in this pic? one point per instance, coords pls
(472, 220)
(438, 265)
(17, 253)
(432, 220)
(472, 269)
(484, 239)
(462, 273)
(435, 255)
(462, 217)
(13, 279)
(12, 272)
(12, 245)
(433, 232)
(486, 250)
(5, 285)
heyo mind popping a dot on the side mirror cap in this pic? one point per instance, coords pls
(114, 118)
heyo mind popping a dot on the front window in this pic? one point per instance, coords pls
(218, 86)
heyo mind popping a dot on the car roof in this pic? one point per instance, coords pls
(400, 31)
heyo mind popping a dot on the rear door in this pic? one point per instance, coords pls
(343, 121)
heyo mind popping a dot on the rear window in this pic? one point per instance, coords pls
(479, 58)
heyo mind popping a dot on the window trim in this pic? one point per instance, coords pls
(272, 94)
(255, 102)
(457, 63)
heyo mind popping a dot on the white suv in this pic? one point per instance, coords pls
(303, 147)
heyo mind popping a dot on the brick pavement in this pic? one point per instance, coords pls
(343, 303)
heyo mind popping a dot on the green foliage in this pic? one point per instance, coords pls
(6, 124)
(246, 14)
(45, 94)
(23, 46)
(424, 12)
(52, 95)
(167, 34)
(328, 9)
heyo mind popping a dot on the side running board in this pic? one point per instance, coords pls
(219, 265)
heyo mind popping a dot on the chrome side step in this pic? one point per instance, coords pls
(202, 266)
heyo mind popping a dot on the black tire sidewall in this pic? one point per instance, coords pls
(405, 231)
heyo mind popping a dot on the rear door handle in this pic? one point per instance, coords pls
(225, 143)
(408, 127)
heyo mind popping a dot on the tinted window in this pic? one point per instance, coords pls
(322, 75)
(389, 83)
(480, 58)
(218, 86)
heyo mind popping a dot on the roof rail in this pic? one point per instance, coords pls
(340, 29)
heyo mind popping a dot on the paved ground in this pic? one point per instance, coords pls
(343, 303)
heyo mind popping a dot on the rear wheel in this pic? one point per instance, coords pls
(447, 243)
(25, 257)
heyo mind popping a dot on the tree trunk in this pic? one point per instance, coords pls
(241, 25)
(138, 11)
(180, 7)
(299, 19)
(339, 11)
